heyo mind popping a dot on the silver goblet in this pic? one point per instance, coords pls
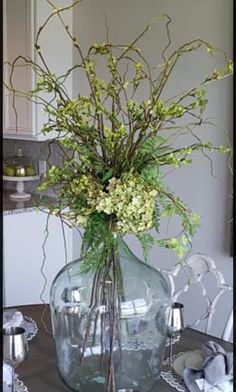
(175, 325)
(15, 348)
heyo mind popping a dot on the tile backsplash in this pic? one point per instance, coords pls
(39, 151)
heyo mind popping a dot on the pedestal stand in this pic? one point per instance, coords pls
(20, 194)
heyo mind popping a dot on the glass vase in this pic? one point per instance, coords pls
(110, 325)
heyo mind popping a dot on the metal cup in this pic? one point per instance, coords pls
(15, 345)
(176, 320)
(175, 325)
(15, 348)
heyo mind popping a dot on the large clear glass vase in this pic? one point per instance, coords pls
(110, 325)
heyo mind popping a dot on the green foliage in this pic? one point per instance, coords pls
(147, 241)
(98, 241)
(201, 99)
(179, 245)
(122, 143)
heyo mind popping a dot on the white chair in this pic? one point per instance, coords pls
(196, 268)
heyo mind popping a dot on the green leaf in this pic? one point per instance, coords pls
(107, 176)
(146, 240)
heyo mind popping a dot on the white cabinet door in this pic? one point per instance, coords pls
(22, 19)
(25, 264)
(18, 40)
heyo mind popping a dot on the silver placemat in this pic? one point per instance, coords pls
(19, 386)
(171, 378)
(30, 327)
(174, 340)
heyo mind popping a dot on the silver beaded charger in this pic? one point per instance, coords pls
(174, 340)
(171, 378)
(19, 385)
(30, 327)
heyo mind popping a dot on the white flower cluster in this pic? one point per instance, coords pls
(132, 201)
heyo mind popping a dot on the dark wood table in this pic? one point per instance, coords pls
(39, 370)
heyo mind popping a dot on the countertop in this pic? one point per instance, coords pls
(16, 207)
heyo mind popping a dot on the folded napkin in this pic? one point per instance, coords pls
(216, 373)
(12, 318)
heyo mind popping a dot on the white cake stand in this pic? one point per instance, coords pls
(20, 194)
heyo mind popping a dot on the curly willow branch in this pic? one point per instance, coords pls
(218, 125)
(46, 231)
(168, 37)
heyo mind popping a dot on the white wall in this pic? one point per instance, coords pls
(204, 194)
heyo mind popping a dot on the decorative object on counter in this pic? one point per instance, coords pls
(19, 165)
(175, 325)
(113, 185)
(20, 194)
(20, 169)
(34, 203)
(14, 318)
(15, 349)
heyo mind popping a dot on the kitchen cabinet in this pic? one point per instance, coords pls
(25, 264)
(22, 19)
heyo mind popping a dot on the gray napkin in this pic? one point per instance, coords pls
(217, 367)
(12, 318)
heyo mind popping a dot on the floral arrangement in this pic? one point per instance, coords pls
(113, 183)
(115, 146)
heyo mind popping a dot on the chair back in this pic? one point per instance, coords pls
(197, 267)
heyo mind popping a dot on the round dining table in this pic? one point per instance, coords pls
(39, 370)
